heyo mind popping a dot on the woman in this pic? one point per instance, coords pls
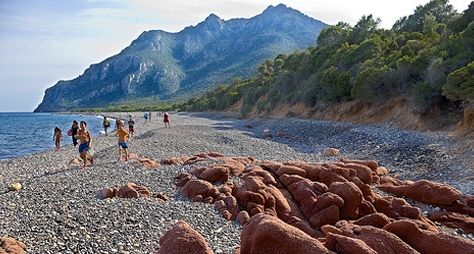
(85, 143)
(74, 130)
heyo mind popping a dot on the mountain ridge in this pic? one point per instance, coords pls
(165, 65)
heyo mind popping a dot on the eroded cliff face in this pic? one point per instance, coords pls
(397, 112)
(164, 65)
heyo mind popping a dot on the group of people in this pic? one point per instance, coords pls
(82, 137)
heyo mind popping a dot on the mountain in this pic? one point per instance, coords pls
(162, 65)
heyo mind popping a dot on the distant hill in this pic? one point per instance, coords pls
(419, 74)
(163, 66)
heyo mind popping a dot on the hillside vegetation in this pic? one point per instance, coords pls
(426, 58)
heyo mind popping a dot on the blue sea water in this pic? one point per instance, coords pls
(26, 133)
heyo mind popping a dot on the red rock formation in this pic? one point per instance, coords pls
(346, 245)
(465, 206)
(426, 241)
(106, 193)
(352, 197)
(132, 190)
(268, 234)
(183, 239)
(196, 187)
(454, 220)
(9, 245)
(182, 179)
(174, 160)
(213, 173)
(378, 239)
(378, 220)
(373, 165)
(425, 191)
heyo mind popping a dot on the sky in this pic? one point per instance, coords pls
(44, 41)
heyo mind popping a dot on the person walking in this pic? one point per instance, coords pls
(131, 127)
(57, 136)
(85, 143)
(73, 132)
(105, 124)
(166, 119)
(123, 137)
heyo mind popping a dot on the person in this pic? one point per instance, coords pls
(123, 137)
(131, 125)
(85, 143)
(106, 124)
(145, 116)
(74, 129)
(57, 136)
(166, 119)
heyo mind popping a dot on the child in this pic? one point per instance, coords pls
(85, 143)
(166, 119)
(123, 137)
(57, 138)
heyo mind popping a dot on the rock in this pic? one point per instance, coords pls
(196, 187)
(214, 173)
(425, 191)
(132, 190)
(426, 241)
(15, 186)
(10, 245)
(182, 178)
(454, 220)
(378, 220)
(268, 234)
(183, 239)
(346, 245)
(160, 196)
(174, 160)
(352, 197)
(379, 240)
(106, 193)
(243, 217)
(330, 152)
(372, 164)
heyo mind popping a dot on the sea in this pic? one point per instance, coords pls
(27, 133)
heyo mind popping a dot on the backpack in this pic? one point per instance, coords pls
(106, 123)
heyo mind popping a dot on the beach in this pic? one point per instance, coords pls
(56, 211)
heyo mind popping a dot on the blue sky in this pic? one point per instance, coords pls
(44, 41)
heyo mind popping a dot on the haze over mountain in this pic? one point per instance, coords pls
(164, 65)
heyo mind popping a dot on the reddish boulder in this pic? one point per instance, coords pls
(372, 164)
(290, 170)
(266, 176)
(132, 190)
(378, 220)
(396, 208)
(454, 220)
(363, 172)
(182, 179)
(174, 160)
(214, 173)
(465, 206)
(268, 234)
(352, 197)
(378, 239)
(10, 245)
(346, 245)
(106, 193)
(425, 191)
(196, 187)
(183, 239)
(426, 241)
(243, 217)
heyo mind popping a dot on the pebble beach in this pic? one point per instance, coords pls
(56, 210)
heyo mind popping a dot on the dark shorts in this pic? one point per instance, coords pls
(124, 145)
(130, 129)
(84, 147)
(166, 121)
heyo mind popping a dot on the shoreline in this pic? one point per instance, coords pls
(57, 209)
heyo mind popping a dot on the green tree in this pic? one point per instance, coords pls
(460, 84)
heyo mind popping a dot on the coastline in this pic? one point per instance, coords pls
(57, 208)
